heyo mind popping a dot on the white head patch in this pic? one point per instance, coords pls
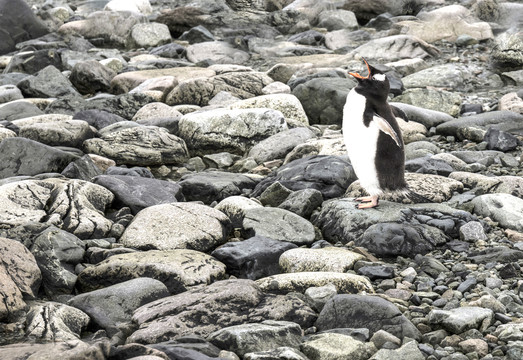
(379, 77)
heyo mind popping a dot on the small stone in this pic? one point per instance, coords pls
(472, 232)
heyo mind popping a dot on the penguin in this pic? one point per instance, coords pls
(373, 137)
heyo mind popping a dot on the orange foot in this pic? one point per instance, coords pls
(367, 202)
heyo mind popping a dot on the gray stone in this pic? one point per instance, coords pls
(253, 258)
(278, 224)
(28, 157)
(150, 34)
(446, 76)
(501, 120)
(337, 19)
(139, 193)
(235, 131)
(428, 165)
(472, 232)
(82, 169)
(432, 99)
(462, 319)
(381, 337)
(374, 313)
(303, 202)
(396, 47)
(21, 278)
(9, 93)
(90, 77)
(500, 140)
(19, 110)
(330, 259)
(274, 195)
(57, 252)
(283, 353)
(72, 349)
(98, 118)
(268, 335)
(506, 209)
(235, 206)
(114, 305)
(346, 38)
(335, 346)
(323, 99)
(216, 52)
(419, 149)
(47, 83)
(177, 226)
(212, 186)
(197, 34)
(221, 160)
(54, 322)
(279, 145)
(500, 254)
(408, 351)
(142, 145)
(506, 53)
(179, 270)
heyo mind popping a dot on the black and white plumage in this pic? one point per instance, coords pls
(373, 137)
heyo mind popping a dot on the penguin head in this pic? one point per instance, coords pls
(374, 84)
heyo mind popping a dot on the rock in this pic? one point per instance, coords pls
(506, 53)
(279, 145)
(408, 351)
(500, 120)
(500, 140)
(365, 10)
(235, 131)
(284, 353)
(371, 312)
(499, 254)
(82, 169)
(420, 149)
(396, 47)
(47, 83)
(429, 165)
(253, 258)
(64, 349)
(337, 19)
(506, 209)
(156, 110)
(141, 146)
(462, 319)
(179, 269)
(511, 102)
(302, 202)
(330, 259)
(18, 110)
(329, 174)
(150, 34)
(139, 193)
(6, 133)
(20, 277)
(301, 281)
(114, 305)
(346, 38)
(408, 66)
(18, 24)
(448, 76)
(90, 76)
(27, 157)
(472, 232)
(212, 186)
(335, 346)
(277, 224)
(54, 322)
(485, 184)
(10, 93)
(267, 335)
(216, 52)
(195, 311)
(98, 118)
(136, 6)
(177, 226)
(55, 130)
(391, 239)
(234, 207)
(289, 105)
(323, 99)
(447, 23)
(57, 252)
(197, 34)
(432, 99)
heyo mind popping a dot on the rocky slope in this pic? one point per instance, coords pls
(174, 184)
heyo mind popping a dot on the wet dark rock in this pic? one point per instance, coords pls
(90, 77)
(253, 258)
(138, 192)
(98, 118)
(500, 140)
(134, 171)
(377, 272)
(214, 185)
(82, 168)
(331, 175)
(303, 202)
(429, 165)
(500, 254)
(48, 82)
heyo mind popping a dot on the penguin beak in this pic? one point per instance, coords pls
(358, 76)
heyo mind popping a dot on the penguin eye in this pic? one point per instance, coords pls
(379, 77)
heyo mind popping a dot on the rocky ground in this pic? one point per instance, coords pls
(174, 184)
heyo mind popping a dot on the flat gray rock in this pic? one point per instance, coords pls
(179, 270)
(462, 319)
(506, 209)
(47, 83)
(396, 47)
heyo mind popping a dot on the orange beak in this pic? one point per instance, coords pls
(356, 75)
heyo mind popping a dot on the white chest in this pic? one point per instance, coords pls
(361, 142)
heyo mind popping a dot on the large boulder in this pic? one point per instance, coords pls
(396, 47)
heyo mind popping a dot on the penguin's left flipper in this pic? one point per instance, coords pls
(384, 126)
(397, 112)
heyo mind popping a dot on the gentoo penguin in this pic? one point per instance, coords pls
(373, 138)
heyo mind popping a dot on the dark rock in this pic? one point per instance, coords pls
(140, 192)
(114, 305)
(83, 169)
(310, 37)
(129, 351)
(98, 118)
(19, 110)
(364, 311)
(197, 34)
(498, 254)
(18, 23)
(90, 77)
(381, 22)
(47, 83)
(34, 61)
(169, 123)
(429, 265)
(323, 99)
(377, 272)
(253, 258)
(428, 165)
(500, 140)
(510, 270)
(212, 186)
(458, 246)
(331, 175)
(467, 285)
(188, 347)
(391, 239)
(303, 202)
(173, 51)
(134, 171)
(27, 157)
(274, 195)
(471, 109)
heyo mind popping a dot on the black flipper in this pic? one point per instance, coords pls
(399, 113)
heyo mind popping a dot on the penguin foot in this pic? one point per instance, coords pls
(367, 202)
